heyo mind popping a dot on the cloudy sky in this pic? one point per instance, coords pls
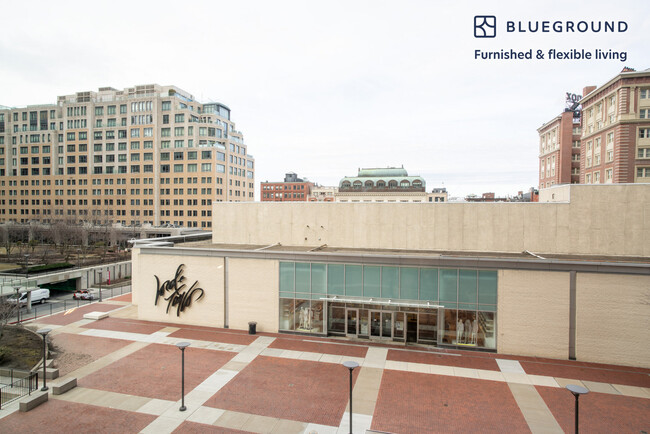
(322, 88)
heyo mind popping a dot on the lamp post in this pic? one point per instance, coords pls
(351, 366)
(577, 391)
(44, 332)
(17, 288)
(27, 267)
(100, 285)
(182, 346)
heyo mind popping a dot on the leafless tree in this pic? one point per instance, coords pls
(7, 313)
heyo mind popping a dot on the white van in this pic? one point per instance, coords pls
(39, 295)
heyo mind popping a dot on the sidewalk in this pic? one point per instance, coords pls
(129, 380)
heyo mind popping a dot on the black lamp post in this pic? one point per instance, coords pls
(351, 366)
(100, 285)
(577, 391)
(44, 332)
(17, 288)
(182, 346)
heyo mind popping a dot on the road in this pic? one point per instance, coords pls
(60, 301)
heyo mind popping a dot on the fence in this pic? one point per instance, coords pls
(63, 305)
(18, 388)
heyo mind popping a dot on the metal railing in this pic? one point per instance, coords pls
(18, 388)
(64, 305)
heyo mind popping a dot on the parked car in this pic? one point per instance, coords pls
(83, 294)
(39, 295)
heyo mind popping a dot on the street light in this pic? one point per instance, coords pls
(100, 285)
(182, 346)
(351, 366)
(44, 332)
(17, 288)
(577, 391)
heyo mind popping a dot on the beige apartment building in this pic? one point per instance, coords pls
(615, 144)
(149, 154)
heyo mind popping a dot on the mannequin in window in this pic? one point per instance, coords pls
(459, 331)
(468, 330)
(474, 331)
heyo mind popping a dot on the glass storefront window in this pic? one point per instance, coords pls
(335, 279)
(448, 285)
(303, 280)
(449, 332)
(398, 331)
(428, 284)
(318, 279)
(389, 282)
(487, 287)
(408, 283)
(427, 323)
(487, 330)
(467, 286)
(302, 316)
(363, 322)
(286, 314)
(317, 316)
(336, 320)
(353, 280)
(286, 276)
(371, 280)
(466, 328)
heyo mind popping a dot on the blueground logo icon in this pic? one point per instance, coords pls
(485, 26)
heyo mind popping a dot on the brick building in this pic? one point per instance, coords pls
(292, 189)
(615, 144)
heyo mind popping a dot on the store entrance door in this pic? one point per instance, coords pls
(352, 322)
(411, 327)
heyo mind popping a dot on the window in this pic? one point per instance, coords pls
(164, 156)
(135, 133)
(206, 167)
(178, 155)
(110, 110)
(191, 167)
(166, 105)
(98, 147)
(121, 146)
(644, 114)
(99, 111)
(645, 93)
(135, 145)
(644, 133)
(643, 153)
(206, 154)
(165, 132)
(191, 155)
(178, 168)
(148, 144)
(179, 117)
(643, 172)
(179, 131)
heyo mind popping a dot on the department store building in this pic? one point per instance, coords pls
(566, 278)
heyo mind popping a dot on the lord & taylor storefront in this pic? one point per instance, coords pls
(436, 306)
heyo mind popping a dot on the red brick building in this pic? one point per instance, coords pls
(615, 143)
(292, 189)
(559, 150)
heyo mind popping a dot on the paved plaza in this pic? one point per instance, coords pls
(129, 380)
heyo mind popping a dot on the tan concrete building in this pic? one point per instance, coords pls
(515, 278)
(148, 154)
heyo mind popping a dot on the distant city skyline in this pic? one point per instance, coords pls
(322, 89)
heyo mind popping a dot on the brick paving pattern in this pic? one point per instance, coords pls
(199, 428)
(76, 351)
(213, 335)
(631, 376)
(124, 325)
(415, 403)
(77, 313)
(125, 297)
(465, 360)
(56, 416)
(155, 371)
(291, 389)
(317, 347)
(599, 412)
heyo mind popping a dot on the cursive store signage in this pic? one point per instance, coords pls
(176, 293)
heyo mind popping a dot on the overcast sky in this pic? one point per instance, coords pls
(324, 88)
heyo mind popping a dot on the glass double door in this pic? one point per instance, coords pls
(371, 323)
